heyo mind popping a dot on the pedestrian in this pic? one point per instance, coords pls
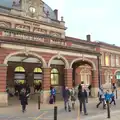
(101, 98)
(82, 100)
(107, 97)
(73, 97)
(67, 97)
(23, 99)
(89, 87)
(113, 98)
(53, 93)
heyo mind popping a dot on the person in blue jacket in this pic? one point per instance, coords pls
(113, 98)
(107, 96)
(53, 93)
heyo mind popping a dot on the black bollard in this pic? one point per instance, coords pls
(55, 113)
(38, 102)
(108, 109)
(116, 94)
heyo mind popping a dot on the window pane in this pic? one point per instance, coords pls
(19, 69)
(117, 60)
(54, 79)
(38, 70)
(112, 60)
(54, 71)
(107, 60)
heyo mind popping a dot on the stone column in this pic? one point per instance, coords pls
(3, 94)
(46, 84)
(68, 78)
(95, 83)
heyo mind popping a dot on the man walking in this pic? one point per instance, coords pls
(67, 97)
(82, 94)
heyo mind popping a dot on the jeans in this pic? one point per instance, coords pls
(101, 101)
(67, 105)
(113, 100)
(84, 106)
(54, 98)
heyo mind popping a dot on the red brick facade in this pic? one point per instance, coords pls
(3, 75)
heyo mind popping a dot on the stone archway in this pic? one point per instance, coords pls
(59, 57)
(29, 53)
(117, 77)
(87, 60)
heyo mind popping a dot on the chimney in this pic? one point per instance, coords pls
(56, 13)
(88, 38)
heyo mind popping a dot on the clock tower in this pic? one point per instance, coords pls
(32, 8)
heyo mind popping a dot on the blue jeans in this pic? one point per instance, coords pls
(84, 106)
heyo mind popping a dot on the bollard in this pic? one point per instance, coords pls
(108, 109)
(38, 102)
(116, 94)
(55, 113)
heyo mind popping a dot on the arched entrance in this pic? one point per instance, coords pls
(82, 71)
(117, 77)
(24, 68)
(57, 64)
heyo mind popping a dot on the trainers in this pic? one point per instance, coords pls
(86, 114)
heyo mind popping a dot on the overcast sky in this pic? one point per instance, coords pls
(100, 18)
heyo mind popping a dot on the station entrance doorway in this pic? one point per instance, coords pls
(23, 71)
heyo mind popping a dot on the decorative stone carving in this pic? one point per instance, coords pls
(39, 30)
(33, 8)
(56, 34)
(22, 27)
(5, 24)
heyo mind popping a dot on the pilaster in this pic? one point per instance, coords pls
(68, 78)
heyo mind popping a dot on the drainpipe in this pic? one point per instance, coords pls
(99, 71)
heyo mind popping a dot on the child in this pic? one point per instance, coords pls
(113, 98)
(107, 96)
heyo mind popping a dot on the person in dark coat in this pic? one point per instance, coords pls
(82, 94)
(23, 99)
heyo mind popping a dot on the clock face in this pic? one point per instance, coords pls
(32, 9)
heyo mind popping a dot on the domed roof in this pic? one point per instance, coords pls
(9, 4)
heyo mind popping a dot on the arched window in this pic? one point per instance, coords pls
(54, 77)
(38, 75)
(19, 75)
(85, 76)
(118, 75)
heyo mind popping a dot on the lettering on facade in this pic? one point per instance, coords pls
(30, 23)
(36, 38)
